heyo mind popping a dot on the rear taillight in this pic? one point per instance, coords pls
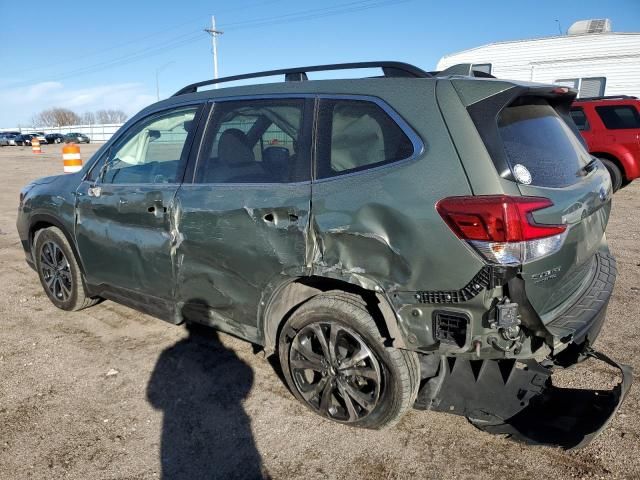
(501, 228)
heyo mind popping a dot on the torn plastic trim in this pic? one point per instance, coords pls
(518, 399)
(489, 277)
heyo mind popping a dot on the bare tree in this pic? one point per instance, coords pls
(111, 116)
(61, 117)
(56, 117)
(88, 118)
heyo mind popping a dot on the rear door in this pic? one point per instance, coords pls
(622, 122)
(243, 218)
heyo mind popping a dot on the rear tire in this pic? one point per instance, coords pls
(59, 273)
(614, 172)
(335, 362)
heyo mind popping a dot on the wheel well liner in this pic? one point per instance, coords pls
(288, 298)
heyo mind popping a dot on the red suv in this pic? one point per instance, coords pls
(611, 128)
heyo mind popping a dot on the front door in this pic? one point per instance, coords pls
(243, 220)
(124, 222)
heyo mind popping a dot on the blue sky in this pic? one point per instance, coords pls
(93, 55)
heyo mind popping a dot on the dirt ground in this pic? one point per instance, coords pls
(109, 393)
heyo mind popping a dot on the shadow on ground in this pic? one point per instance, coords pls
(199, 385)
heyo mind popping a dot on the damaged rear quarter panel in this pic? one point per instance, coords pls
(380, 227)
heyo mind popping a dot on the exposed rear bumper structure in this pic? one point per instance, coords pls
(517, 397)
(519, 400)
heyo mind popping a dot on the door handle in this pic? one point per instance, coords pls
(94, 191)
(157, 210)
(275, 218)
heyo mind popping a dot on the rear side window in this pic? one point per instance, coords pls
(537, 138)
(255, 141)
(580, 119)
(355, 135)
(619, 117)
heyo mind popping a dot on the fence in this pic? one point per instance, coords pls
(97, 132)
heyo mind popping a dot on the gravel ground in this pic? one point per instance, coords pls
(109, 393)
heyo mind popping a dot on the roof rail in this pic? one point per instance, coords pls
(390, 69)
(607, 97)
(462, 69)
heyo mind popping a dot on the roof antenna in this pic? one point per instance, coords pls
(559, 27)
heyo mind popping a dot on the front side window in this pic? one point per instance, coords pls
(355, 135)
(255, 141)
(153, 153)
(619, 117)
(580, 119)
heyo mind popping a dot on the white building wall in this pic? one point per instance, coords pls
(615, 56)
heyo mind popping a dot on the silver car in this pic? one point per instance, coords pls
(10, 138)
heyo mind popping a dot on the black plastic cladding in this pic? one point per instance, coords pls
(488, 277)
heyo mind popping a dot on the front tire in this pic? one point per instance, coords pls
(335, 362)
(59, 272)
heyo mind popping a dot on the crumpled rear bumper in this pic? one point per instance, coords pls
(518, 399)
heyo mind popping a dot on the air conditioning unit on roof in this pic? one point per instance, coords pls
(584, 27)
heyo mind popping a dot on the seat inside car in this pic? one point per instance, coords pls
(236, 161)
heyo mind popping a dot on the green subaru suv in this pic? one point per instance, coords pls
(430, 240)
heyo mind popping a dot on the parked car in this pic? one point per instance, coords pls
(54, 137)
(10, 138)
(611, 128)
(42, 138)
(24, 139)
(3, 141)
(408, 240)
(74, 137)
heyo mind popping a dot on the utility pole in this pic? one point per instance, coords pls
(214, 45)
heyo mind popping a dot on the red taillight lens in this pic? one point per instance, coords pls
(496, 218)
(501, 228)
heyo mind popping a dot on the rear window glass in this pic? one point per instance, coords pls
(619, 117)
(537, 138)
(580, 119)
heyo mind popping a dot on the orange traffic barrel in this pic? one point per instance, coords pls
(35, 145)
(71, 158)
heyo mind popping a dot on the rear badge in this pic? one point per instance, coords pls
(522, 174)
(546, 275)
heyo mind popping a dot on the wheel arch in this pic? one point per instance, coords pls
(41, 221)
(286, 299)
(618, 158)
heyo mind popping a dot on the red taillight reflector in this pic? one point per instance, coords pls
(496, 218)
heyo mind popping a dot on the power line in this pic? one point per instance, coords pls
(143, 38)
(311, 13)
(195, 35)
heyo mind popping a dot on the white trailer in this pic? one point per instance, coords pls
(590, 58)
